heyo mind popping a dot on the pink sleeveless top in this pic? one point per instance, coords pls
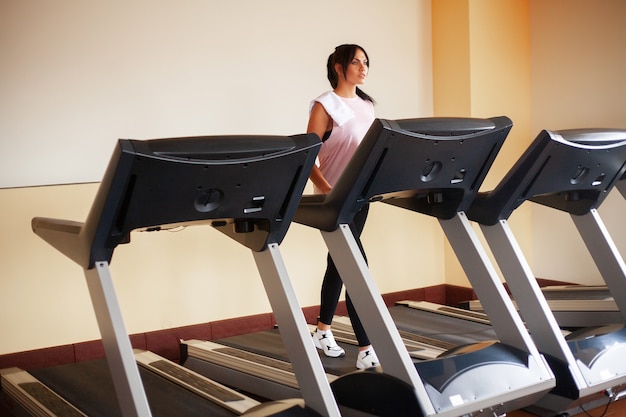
(352, 117)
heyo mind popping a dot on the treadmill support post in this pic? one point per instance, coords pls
(486, 282)
(359, 282)
(523, 284)
(121, 360)
(605, 255)
(304, 358)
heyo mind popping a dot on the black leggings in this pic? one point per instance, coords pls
(332, 285)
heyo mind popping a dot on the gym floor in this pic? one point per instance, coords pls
(616, 409)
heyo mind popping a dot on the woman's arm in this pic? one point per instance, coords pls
(319, 123)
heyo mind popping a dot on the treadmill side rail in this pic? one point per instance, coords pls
(34, 396)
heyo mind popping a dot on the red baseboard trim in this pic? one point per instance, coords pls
(166, 342)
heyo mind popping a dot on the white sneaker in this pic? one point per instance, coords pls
(367, 359)
(325, 341)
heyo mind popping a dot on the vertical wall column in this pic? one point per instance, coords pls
(481, 68)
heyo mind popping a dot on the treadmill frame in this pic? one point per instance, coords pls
(571, 171)
(152, 184)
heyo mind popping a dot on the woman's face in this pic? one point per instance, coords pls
(356, 73)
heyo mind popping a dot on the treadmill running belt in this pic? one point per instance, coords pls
(89, 387)
(426, 340)
(269, 343)
(438, 326)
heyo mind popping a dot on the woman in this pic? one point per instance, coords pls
(341, 117)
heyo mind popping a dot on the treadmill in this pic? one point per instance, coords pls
(246, 187)
(571, 171)
(578, 305)
(588, 305)
(432, 166)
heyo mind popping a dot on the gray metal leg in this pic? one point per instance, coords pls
(373, 312)
(304, 358)
(605, 255)
(121, 360)
(532, 303)
(501, 311)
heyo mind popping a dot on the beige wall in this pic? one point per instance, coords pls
(578, 60)
(481, 68)
(552, 64)
(204, 66)
(78, 75)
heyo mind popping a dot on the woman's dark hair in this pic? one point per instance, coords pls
(343, 55)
